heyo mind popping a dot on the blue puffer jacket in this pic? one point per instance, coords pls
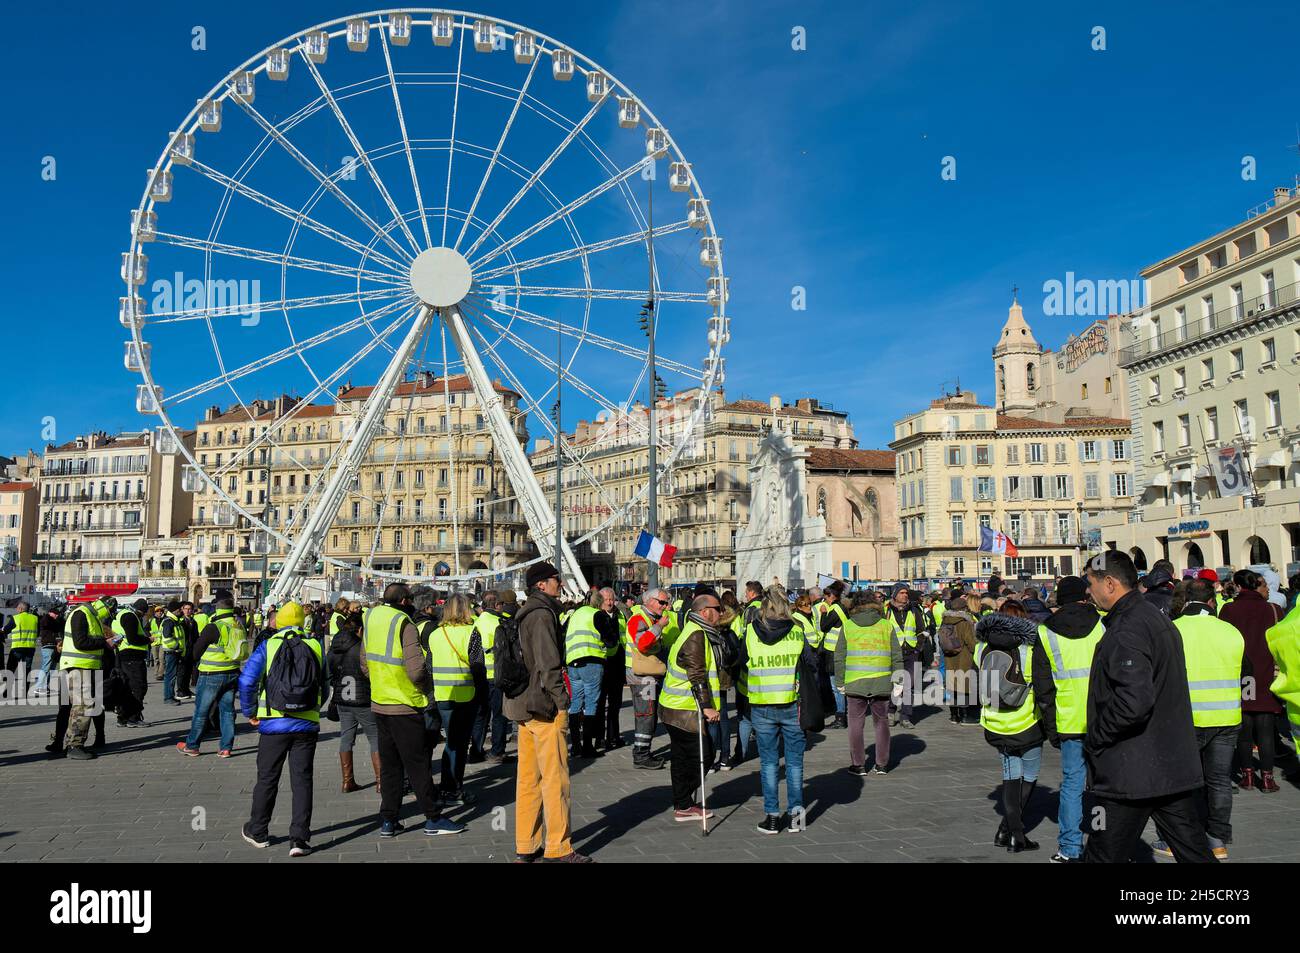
(250, 686)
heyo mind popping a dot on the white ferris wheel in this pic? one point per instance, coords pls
(411, 192)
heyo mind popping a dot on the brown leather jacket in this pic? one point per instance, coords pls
(695, 664)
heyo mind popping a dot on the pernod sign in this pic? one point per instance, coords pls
(1190, 529)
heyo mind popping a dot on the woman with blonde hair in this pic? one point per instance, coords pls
(453, 690)
(769, 672)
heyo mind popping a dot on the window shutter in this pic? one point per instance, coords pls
(1069, 487)
(1109, 446)
(993, 489)
(1128, 449)
(1081, 454)
(1114, 486)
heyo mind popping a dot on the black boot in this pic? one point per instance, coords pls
(575, 735)
(1013, 796)
(1002, 838)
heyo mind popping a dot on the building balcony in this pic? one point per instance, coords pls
(114, 526)
(1238, 315)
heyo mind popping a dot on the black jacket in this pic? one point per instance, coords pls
(1159, 586)
(1075, 620)
(349, 681)
(1140, 742)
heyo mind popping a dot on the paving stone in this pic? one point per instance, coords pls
(137, 803)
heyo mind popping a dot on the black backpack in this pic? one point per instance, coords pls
(511, 673)
(294, 678)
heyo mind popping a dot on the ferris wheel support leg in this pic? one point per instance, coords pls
(309, 540)
(537, 511)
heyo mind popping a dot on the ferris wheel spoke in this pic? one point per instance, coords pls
(361, 153)
(271, 359)
(579, 251)
(328, 183)
(536, 175)
(590, 337)
(496, 153)
(275, 258)
(606, 294)
(556, 435)
(283, 304)
(266, 439)
(309, 539)
(564, 210)
(406, 139)
(567, 375)
(294, 216)
(451, 145)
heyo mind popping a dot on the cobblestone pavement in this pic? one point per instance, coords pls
(142, 801)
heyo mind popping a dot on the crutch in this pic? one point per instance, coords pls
(704, 805)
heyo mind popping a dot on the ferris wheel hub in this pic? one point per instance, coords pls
(441, 277)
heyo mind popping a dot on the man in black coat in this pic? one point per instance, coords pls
(1158, 585)
(1143, 759)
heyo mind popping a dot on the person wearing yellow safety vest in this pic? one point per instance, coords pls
(912, 629)
(171, 639)
(769, 673)
(24, 627)
(490, 723)
(1061, 664)
(400, 689)
(648, 627)
(1284, 643)
(453, 689)
(1143, 761)
(587, 632)
(604, 728)
(833, 618)
(866, 658)
(1214, 651)
(221, 649)
(281, 735)
(86, 634)
(155, 620)
(1017, 732)
(132, 648)
(690, 693)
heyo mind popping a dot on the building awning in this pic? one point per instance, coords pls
(1278, 459)
(160, 593)
(1160, 479)
(97, 590)
(1203, 473)
(1183, 476)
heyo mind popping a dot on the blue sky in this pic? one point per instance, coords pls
(822, 165)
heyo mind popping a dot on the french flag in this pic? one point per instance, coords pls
(999, 542)
(654, 549)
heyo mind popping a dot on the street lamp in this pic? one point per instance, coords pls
(1078, 540)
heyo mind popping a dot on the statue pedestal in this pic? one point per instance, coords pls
(781, 542)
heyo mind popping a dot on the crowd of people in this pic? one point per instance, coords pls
(1162, 696)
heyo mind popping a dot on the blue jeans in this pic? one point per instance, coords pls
(1024, 765)
(770, 723)
(584, 683)
(746, 728)
(1070, 813)
(720, 730)
(217, 689)
(47, 664)
(169, 676)
(457, 726)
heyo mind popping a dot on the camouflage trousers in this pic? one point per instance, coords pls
(85, 694)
